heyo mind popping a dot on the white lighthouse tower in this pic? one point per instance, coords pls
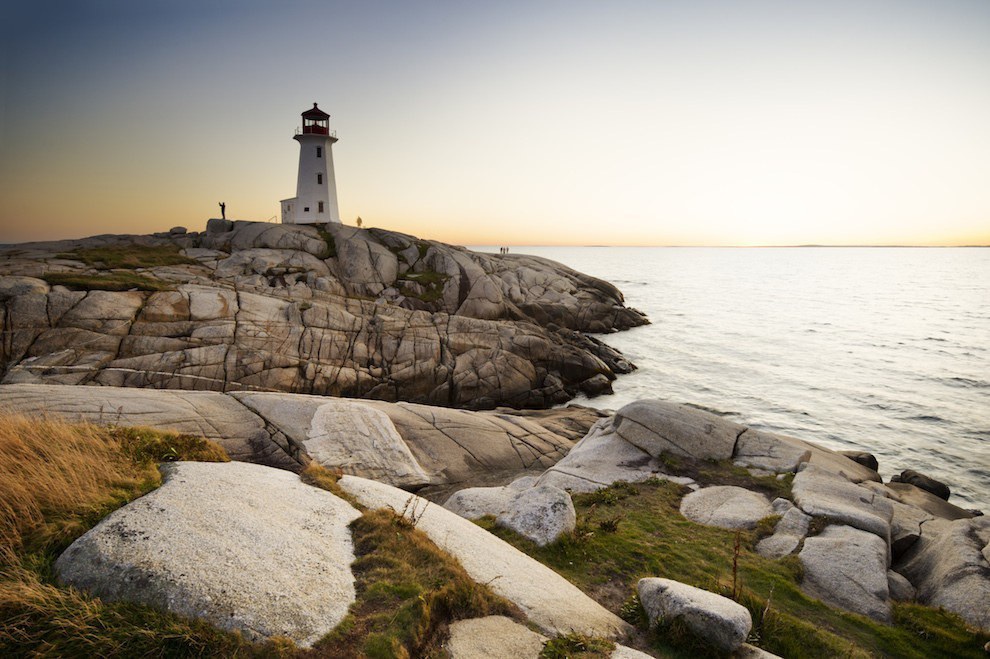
(316, 189)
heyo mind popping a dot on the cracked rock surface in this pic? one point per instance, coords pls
(342, 312)
(398, 443)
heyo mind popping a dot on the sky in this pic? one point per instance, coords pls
(662, 122)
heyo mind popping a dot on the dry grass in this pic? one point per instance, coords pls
(54, 476)
(58, 479)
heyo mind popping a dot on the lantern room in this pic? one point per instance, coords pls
(315, 122)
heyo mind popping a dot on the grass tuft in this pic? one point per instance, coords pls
(408, 592)
(319, 476)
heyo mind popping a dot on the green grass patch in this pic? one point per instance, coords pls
(129, 256)
(431, 280)
(652, 539)
(330, 241)
(408, 592)
(576, 646)
(111, 281)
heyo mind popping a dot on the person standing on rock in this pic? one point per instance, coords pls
(223, 211)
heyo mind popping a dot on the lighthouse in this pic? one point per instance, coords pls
(316, 189)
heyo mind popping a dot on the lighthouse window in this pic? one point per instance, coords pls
(319, 179)
(321, 207)
(319, 152)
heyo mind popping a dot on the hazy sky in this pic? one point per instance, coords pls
(534, 122)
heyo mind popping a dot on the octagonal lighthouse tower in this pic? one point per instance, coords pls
(316, 189)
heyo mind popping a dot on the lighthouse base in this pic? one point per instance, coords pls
(295, 211)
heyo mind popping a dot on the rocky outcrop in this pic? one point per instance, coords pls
(821, 492)
(847, 567)
(949, 567)
(602, 458)
(719, 620)
(658, 427)
(343, 312)
(232, 543)
(551, 602)
(874, 524)
(403, 444)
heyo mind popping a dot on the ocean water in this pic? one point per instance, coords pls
(880, 349)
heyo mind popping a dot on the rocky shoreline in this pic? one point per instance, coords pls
(862, 544)
(400, 370)
(340, 311)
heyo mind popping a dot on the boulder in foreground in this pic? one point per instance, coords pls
(719, 620)
(245, 547)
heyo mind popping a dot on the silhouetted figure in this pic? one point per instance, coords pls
(223, 211)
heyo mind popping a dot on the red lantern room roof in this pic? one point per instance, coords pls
(315, 113)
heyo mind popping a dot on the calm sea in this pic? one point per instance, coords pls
(880, 349)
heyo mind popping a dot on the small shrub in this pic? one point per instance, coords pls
(632, 611)
(610, 524)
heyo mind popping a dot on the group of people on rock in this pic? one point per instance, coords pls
(503, 250)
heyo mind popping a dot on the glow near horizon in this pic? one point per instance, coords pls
(715, 123)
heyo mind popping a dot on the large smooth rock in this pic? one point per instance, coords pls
(824, 493)
(404, 444)
(764, 450)
(780, 453)
(719, 620)
(726, 506)
(455, 446)
(245, 547)
(948, 566)
(349, 435)
(551, 602)
(847, 568)
(659, 427)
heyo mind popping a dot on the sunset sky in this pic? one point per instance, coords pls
(535, 122)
